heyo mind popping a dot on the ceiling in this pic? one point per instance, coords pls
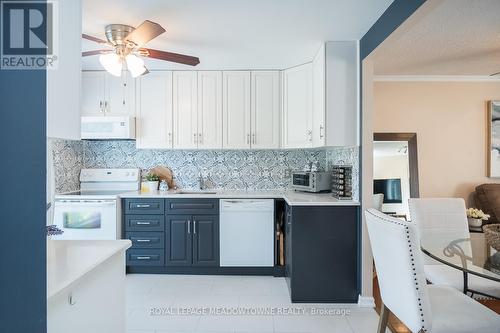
(390, 148)
(444, 37)
(236, 34)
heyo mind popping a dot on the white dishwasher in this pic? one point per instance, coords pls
(247, 232)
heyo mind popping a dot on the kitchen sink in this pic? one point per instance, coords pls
(196, 192)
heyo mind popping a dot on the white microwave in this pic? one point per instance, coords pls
(108, 127)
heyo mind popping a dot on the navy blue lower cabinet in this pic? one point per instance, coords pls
(205, 240)
(322, 253)
(192, 240)
(179, 240)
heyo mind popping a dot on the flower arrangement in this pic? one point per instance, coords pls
(475, 213)
(151, 177)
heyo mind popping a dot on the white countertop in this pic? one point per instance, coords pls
(291, 197)
(69, 260)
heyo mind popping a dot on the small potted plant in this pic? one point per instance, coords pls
(476, 217)
(151, 182)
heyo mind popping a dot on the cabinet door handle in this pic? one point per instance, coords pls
(100, 106)
(254, 140)
(194, 227)
(321, 131)
(71, 299)
(144, 258)
(195, 136)
(143, 205)
(143, 240)
(189, 226)
(200, 138)
(248, 139)
(309, 135)
(169, 137)
(105, 106)
(143, 223)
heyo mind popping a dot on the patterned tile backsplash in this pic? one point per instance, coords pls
(223, 169)
(67, 159)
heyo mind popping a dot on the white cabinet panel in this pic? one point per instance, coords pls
(64, 83)
(93, 93)
(120, 95)
(154, 112)
(236, 109)
(185, 107)
(265, 102)
(210, 109)
(318, 99)
(342, 90)
(297, 107)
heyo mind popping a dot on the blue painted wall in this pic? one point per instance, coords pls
(22, 201)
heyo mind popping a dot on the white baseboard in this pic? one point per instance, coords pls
(366, 302)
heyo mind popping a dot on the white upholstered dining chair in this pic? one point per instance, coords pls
(403, 288)
(447, 215)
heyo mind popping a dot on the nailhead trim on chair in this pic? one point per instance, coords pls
(421, 310)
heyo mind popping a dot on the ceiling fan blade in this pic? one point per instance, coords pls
(94, 52)
(94, 39)
(144, 33)
(494, 74)
(169, 56)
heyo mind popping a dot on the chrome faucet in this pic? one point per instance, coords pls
(201, 182)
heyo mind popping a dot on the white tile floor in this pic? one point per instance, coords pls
(173, 293)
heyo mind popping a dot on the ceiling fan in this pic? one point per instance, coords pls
(125, 48)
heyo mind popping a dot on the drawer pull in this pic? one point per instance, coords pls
(143, 205)
(143, 223)
(143, 258)
(143, 240)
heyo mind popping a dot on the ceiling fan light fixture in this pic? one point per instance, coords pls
(135, 65)
(112, 63)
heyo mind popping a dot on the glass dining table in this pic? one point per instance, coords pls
(470, 254)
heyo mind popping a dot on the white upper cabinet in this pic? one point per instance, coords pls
(297, 107)
(93, 93)
(104, 94)
(64, 82)
(210, 109)
(318, 99)
(265, 106)
(185, 108)
(236, 109)
(154, 111)
(120, 99)
(342, 89)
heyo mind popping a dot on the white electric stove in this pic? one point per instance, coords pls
(94, 212)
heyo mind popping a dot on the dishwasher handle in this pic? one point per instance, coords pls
(247, 204)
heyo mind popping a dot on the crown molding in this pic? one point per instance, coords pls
(436, 78)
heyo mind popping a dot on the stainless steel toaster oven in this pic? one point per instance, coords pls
(317, 181)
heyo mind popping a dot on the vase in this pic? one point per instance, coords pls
(151, 186)
(475, 223)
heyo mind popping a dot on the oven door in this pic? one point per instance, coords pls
(302, 181)
(86, 219)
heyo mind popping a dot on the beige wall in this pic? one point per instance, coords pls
(450, 121)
